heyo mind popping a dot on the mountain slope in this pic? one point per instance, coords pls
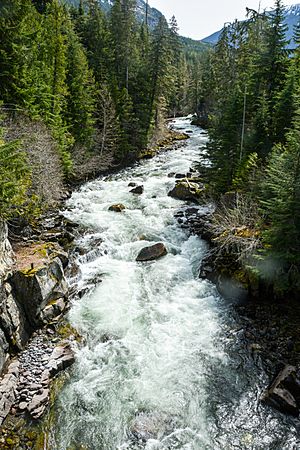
(292, 17)
(153, 13)
(153, 18)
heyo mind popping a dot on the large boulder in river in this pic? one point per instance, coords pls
(153, 252)
(137, 190)
(119, 207)
(185, 190)
(284, 392)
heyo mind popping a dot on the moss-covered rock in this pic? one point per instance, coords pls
(119, 207)
(185, 190)
(35, 288)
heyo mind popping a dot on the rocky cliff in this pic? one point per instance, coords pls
(33, 294)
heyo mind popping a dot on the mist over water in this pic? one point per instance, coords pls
(162, 366)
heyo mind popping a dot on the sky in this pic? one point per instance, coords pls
(200, 18)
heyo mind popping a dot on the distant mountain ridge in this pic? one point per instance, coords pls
(292, 17)
(153, 13)
(153, 17)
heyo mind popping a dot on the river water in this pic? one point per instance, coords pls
(162, 366)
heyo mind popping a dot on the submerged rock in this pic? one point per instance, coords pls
(119, 207)
(284, 392)
(137, 190)
(152, 252)
(145, 427)
(150, 425)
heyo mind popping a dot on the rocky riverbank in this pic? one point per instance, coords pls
(268, 327)
(35, 342)
(35, 347)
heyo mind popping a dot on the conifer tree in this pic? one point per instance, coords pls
(286, 106)
(55, 27)
(123, 35)
(280, 195)
(81, 91)
(95, 36)
(272, 71)
(18, 28)
(160, 63)
(281, 205)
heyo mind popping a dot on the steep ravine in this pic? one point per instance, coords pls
(163, 365)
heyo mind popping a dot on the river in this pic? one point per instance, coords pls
(162, 366)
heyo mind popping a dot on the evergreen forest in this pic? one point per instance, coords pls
(99, 84)
(81, 90)
(250, 89)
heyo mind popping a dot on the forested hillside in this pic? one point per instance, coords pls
(82, 90)
(252, 95)
(166, 274)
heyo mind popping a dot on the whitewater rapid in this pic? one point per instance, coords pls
(161, 367)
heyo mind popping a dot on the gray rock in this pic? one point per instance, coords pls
(8, 389)
(39, 412)
(54, 309)
(35, 289)
(3, 350)
(39, 400)
(147, 426)
(137, 190)
(61, 358)
(23, 406)
(152, 252)
(12, 317)
(62, 255)
(14, 368)
(6, 253)
(278, 394)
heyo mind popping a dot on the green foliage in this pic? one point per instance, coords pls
(102, 83)
(245, 178)
(80, 109)
(248, 68)
(14, 179)
(55, 60)
(252, 95)
(280, 202)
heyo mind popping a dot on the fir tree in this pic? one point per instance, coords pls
(123, 34)
(81, 106)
